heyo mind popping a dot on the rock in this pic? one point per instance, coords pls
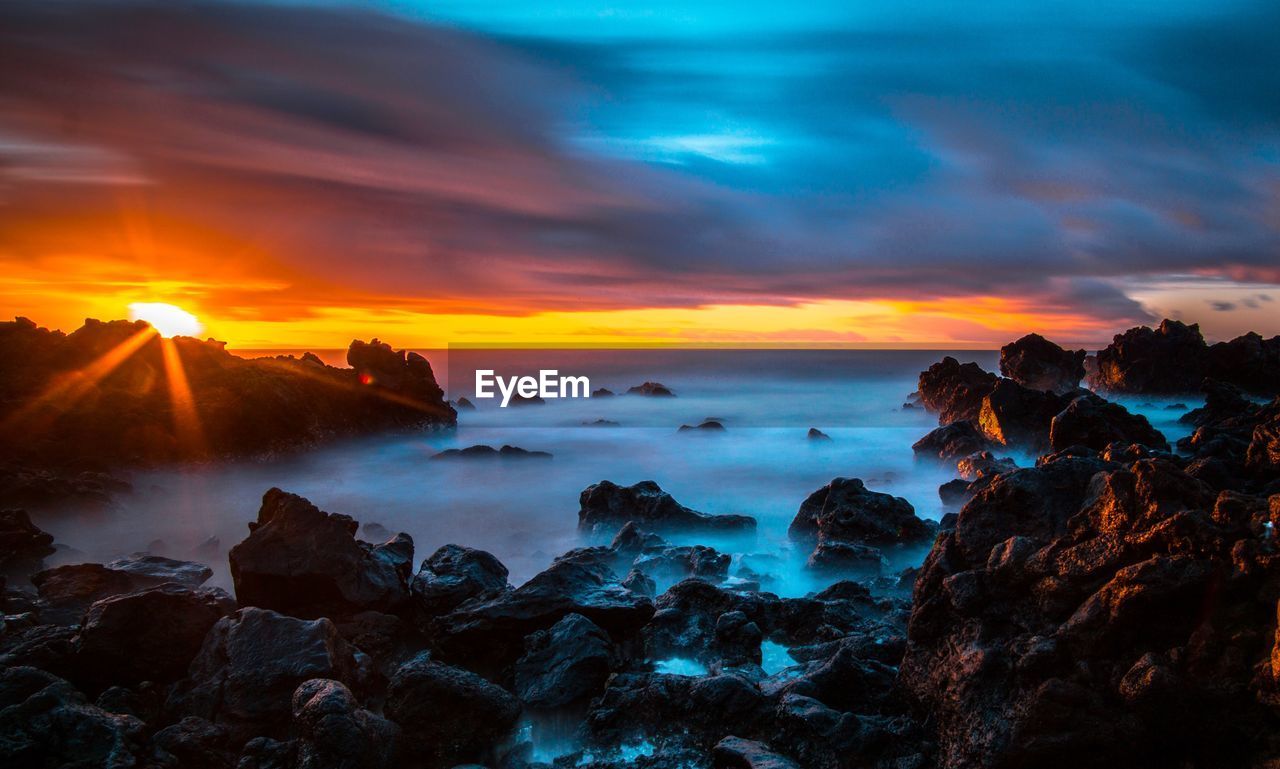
(66, 592)
(1013, 415)
(454, 574)
(488, 452)
(602, 392)
(846, 510)
(464, 404)
(1168, 359)
(247, 407)
(23, 545)
(489, 630)
(192, 742)
(1096, 423)
(250, 664)
(449, 715)
(155, 569)
(1222, 402)
(303, 561)
(1249, 361)
(656, 705)
(817, 435)
(952, 441)
(148, 635)
(336, 733)
(606, 507)
(602, 423)
(681, 562)
(737, 753)
(954, 390)
(710, 425)
(526, 400)
(652, 389)
(1264, 445)
(833, 556)
(983, 463)
(567, 663)
(44, 721)
(1036, 363)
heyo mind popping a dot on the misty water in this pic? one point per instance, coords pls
(525, 511)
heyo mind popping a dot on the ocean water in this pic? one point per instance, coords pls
(525, 511)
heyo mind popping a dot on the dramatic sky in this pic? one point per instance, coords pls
(730, 171)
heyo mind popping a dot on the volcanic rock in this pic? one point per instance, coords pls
(653, 389)
(564, 664)
(303, 561)
(1096, 423)
(952, 441)
(846, 510)
(23, 545)
(1248, 362)
(157, 570)
(1167, 359)
(1013, 415)
(1039, 364)
(737, 753)
(606, 506)
(454, 574)
(983, 463)
(488, 452)
(44, 721)
(955, 390)
(336, 733)
(710, 425)
(817, 435)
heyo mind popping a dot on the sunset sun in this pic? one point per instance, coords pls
(167, 319)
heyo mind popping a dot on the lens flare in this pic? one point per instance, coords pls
(169, 320)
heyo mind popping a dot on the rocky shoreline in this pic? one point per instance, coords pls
(1114, 604)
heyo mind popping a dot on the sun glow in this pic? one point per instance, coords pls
(169, 320)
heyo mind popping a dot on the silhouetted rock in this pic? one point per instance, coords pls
(601, 423)
(303, 561)
(336, 733)
(817, 435)
(567, 663)
(602, 393)
(1013, 415)
(23, 546)
(1248, 362)
(652, 389)
(709, 425)
(488, 452)
(846, 510)
(246, 407)
(449, 716)
(952, 441)
(148, 635)
(249, 665)
(44, 721)
(955, 390)
(1264, 446)
(1222, 401)
(464, 404)
(1167, 359)
(606, 507)
(454, 574)
(1039, 364)
(1096, 423)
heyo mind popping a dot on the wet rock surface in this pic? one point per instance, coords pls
(488, 452)
(606, 507)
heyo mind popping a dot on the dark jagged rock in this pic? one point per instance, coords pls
(157, 570)
(1263, 455)
(247, 407)
(450, 716)
(489, 630)
(55, 488)
(250, 664)
(464, 404)
(602, 392)
(44, 721)
(834, 556)
(846, 510)
(709, 425)
(952, 441)
(1013, 415)
(66, 592)
(1036, 363)
(982, 464)
(336, 733)
(488, 452)
(1249, 362)
(1222, 402)
(567, 663)
(1088, 612)
(1096, 423)
(675, 563)
(606, 506)
(817, 435)
(192, 742)
(1167, 359)
(303, 561)
(454, 574)
(652, 389)
(737, 753)
(602, 423)
(23, 546)
(955, 390)
(148, 635)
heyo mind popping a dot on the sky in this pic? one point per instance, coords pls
(297, 174)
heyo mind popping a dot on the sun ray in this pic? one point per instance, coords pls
(186, 420)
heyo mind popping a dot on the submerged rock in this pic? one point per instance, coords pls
(1036, 363)
(481, 451)
(606, 507)
(449, 716)
(653, 389)
(817, 435)
(301, 560)
(710, 425)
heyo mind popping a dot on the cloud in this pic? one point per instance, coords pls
(1219, 306)
(277, 158)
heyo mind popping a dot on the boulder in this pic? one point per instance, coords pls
(652, 389)
(1167, 359)
(952, 441)
(334, 732)
(250, 664)
(1251, 363)
(23, 546)
(192, 743)
(1013, 415)
(1039, 364)
(1096, 423)
(846, 510)
(303, 561)
(817, 435)
(833, 556)
(448, 715)
(66, 592)
(605, 507)
(1263, 455)
(148, 635)
(737, 753)
(488, 452)
(155, 569)
(955, 390)
(1222, 402)
(454, 574)
(44, 721)
(982, 464)
(566, 663)
(709, 425)
(463, 404)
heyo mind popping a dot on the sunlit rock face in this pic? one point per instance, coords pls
(1174, 358)
(117, 393)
